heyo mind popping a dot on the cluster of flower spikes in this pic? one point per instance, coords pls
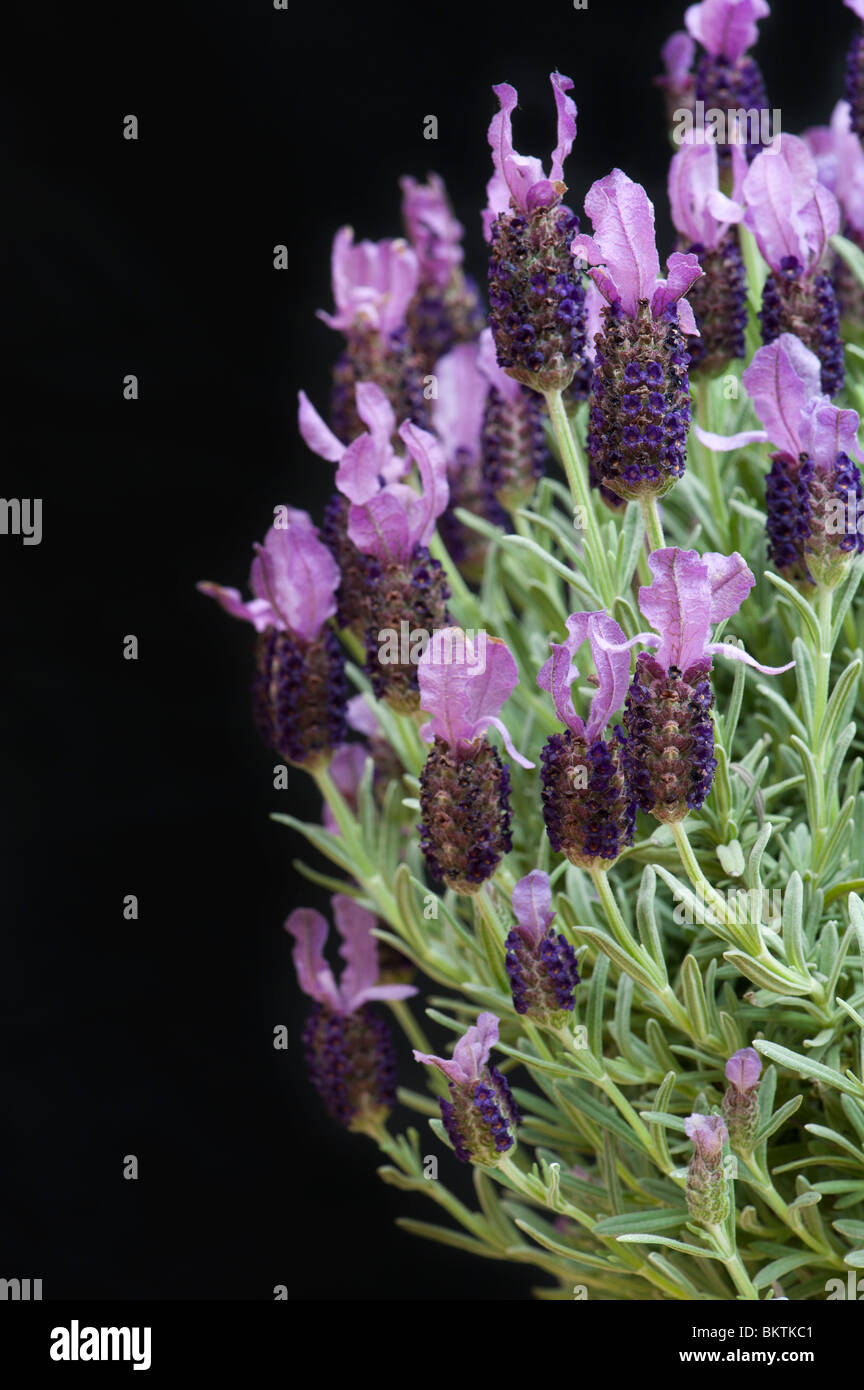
(373, 286)
(813, 488)
(855, 71)
(299, 690)
(705, 219)
(640, 399)
(349, 1049)
(464, 785)
(669, 751)
(445, 309)
(389, 524)
(798, 296)
(536, 294)
(727, 78)
(588, 805)
(481, 1115)
(541, 964)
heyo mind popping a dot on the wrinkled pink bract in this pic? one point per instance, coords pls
(463, 686)
(690, 593)
(839, 158)
(699, 210)
(434, 233)
(390, 521)
(294, 579)
(856, 6)
(726, 27)
(373, 283)
(519, 182)
(783, 381)
(623, 256)
(677, 53)
(359, 950)
(790, 213)
(372, 451)
(470, 1055)
(708, 1133)
(611, 662)
(532, 904)
(459, 409)
(743, 1068)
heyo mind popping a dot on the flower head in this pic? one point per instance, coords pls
(623, 252)
(464, 681)
(481, 1113)
(541, 965)
(389, 520)
(726, 28)
(373, 284)
(519, 182)
(294, 579)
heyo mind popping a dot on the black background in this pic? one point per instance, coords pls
(154, 257)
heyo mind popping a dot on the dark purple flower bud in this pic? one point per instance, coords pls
(513, 439)
(719, 303)
(481, 1115)
(669, 754)
(741, 1099)
(351, 596)
(349, 1050)
(404, 604)
(727, 78)
(707, 1190)
(391, 363)
(464, 786)
(588, 805)
(299, 695)
(809, 509)
(536, 296)
(806, 306)
(540, 964)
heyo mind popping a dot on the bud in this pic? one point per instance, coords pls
(719, 303)
(669, 753)
(541, 965)
(480, 1115)
(805, 499)
(707, 1192)
(588, 807)
(806, 306)
(741, 1099)
(299, 695)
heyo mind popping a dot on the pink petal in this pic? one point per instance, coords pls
(487, 364)
(429, 458)
(380, 527)
(298, 576)
(359, 948)
(532, 904)
(623, 221)
(827, 431)
(724, 443)
(461, 404)
(471, 1052)
(314, 975)
(683, 271)
(678, 605)
(743, 1068)
(738, 654)
(320, 439)
(678, 53)
(726, 27)
(357, 476)
(730, 582)
(257, 611)
(686, 319)
(781, 379)
(566, 109)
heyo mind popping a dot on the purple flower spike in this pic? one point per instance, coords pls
(814, 490)
(588, 808)
(481, 1114)
(349, 1050)
(670, 747)
(741, 1099)
(541, 965)
(639, 406)
(707, 1191)
(464, 787)
(513, 443)
(299, 691)
(727, 78)
(536, 298)
(445, 309)
(705, 220)
(792, 216)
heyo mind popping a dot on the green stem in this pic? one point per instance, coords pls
(653, 525)
(409, 1025)
(667, 997)
(710, 466)
(732, 1260)
(577, 477)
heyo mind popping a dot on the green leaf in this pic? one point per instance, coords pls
(778, 1119)
(806, 1066)
(694, 997)
(703, 1254)
(837, 713)
(640, 1222)
(851, 254)
(616, 953)
(834, 1138)
(793, 924)
(443, 1236)
(762, 974)
(784, 1265)
(799, 603)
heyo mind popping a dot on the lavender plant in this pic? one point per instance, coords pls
(626, 881)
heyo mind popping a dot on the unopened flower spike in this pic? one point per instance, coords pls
(707, 1189)
(376, 450)
(839, 158)
(445, 309)
(677, 81)
(728, 79)
(640, 396)
(536, 297)
(480, 1117)
(465, 786)
(705, 219)
(792, 216)
(349, 1049)
(813, 492)
(300, 689)
(588, 807)
(855, 70)
(458, 418)
(405, 592)
(669, 752)
(541, 964)
(374, 283)
(741, 1099)
(513, 439)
